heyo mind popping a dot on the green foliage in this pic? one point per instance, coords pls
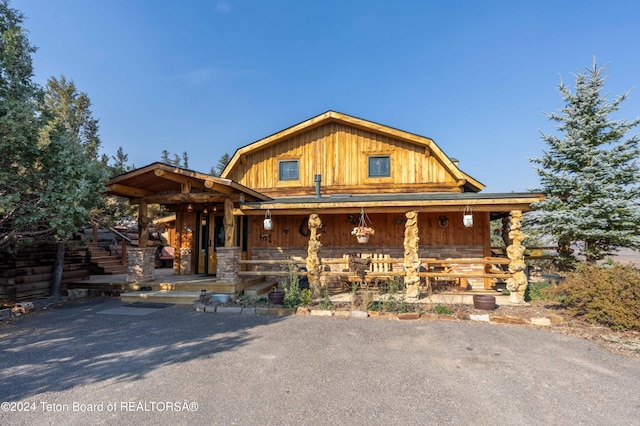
(175, 160)
(443, 310)
(536, 291)
(395, 304)
(222, 164)
(608, 296)
(589, 175)
(305, 297)
(50, 177)
(326, 302)
(291, 287)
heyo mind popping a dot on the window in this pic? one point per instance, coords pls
(379, 166)
(288, 170)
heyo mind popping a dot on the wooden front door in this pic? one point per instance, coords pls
(207, 261)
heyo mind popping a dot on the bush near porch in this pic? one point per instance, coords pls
(607, 295)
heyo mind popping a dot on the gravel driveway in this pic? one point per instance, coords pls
(93, 362)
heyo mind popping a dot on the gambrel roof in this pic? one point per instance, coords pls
(461, 179)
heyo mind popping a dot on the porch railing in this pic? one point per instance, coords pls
(428, 264)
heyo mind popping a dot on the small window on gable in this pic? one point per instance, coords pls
(379, 166)
(288, 170)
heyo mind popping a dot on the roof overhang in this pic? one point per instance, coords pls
(395, 203)
(164, 184)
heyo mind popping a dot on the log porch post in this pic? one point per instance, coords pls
(517, 284)
(411, 258)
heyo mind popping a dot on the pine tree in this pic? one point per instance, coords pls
(589, 174)
(50, 177)
(222, 164)
(19, 126)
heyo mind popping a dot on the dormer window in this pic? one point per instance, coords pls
(379, 166)
(288, 170)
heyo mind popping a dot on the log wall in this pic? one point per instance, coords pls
(389, 231)
(28, 275)
(339, 153)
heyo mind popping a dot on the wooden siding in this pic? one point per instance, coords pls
(389, 231)
(339, 153)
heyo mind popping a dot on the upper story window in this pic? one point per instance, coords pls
(379, 166)
(288, 170)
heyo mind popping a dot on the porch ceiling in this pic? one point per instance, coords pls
(395, 203)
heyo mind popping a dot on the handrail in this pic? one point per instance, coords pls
(424, 261)
(121, 235)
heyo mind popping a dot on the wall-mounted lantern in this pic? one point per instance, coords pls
(467, 217)
(268, 223)
(189, 208)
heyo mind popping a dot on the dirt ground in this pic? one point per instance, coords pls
(623, 343)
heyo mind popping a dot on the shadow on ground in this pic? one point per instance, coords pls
(63, 348)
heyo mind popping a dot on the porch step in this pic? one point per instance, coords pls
(259, 289)
(162, 296)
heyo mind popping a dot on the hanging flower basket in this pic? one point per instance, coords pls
(363, 239)
(364, 229)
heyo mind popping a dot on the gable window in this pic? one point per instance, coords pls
(288, 170)
(379, 166)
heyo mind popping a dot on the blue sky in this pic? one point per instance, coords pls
(209, 77)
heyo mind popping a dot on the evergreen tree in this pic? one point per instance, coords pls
(185, 160)
(19, 125)
(589, 174)
(73, 111)
(50, 177)
(222, 164)
(120, 163)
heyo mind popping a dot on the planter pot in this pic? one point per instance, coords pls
(484, 302)
(276, 297)
(363, 239)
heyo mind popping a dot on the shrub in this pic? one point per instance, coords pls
(443, 310)
(305, 297)
(605, 295)
(291, 287)
(535, 291)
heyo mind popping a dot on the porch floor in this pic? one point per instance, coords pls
(185, 289)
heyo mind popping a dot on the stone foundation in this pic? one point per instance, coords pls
(141, 264)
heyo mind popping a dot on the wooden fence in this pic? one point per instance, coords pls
(29, 273)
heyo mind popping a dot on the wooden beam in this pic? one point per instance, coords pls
(143, 225)
(193, 197)
(127, 191)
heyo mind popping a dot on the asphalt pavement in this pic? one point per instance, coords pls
(97, 361)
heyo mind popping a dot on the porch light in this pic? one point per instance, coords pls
(268, 223)
(205, 210)
(189, 208)
(467, 217)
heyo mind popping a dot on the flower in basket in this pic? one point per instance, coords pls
(362, 231)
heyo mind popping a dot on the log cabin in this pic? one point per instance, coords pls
(347, 171)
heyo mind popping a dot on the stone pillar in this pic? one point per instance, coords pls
(517, 284)
(228, 266)
(411, 258)
(184, 261)
(314, 265)
(141, 264)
